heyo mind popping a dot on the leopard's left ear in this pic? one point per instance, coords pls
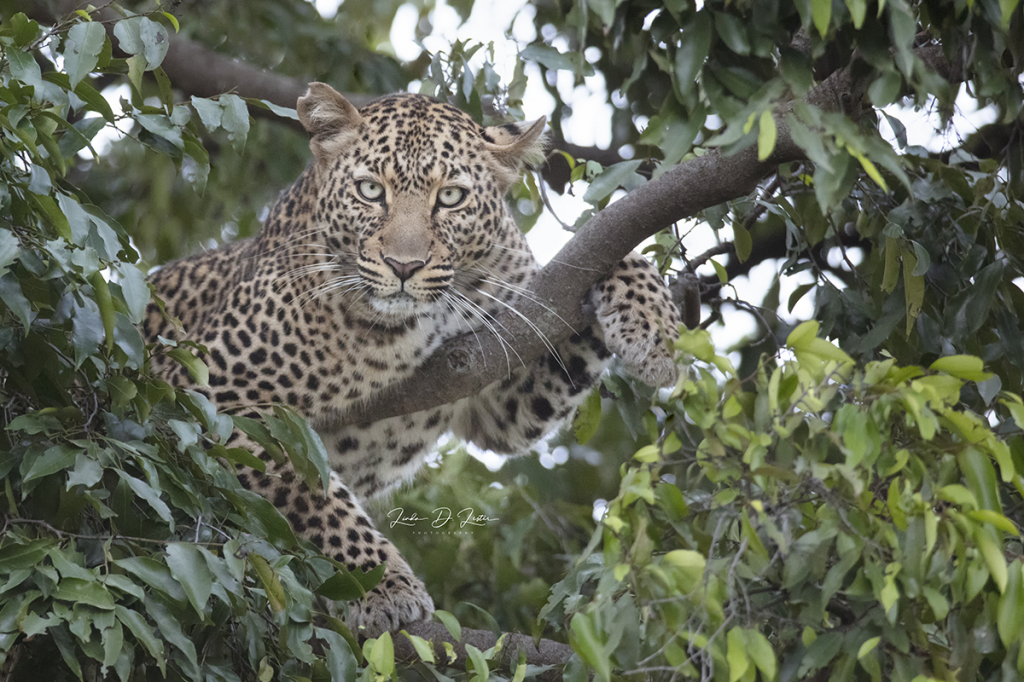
(327, 116)
(514, 145)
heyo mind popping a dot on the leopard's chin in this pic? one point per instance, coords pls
(401, 305)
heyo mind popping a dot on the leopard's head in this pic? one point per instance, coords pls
(410, 192)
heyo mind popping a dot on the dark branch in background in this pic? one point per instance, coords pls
(195, 69)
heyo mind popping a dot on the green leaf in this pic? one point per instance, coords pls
(869, 168)
(95, 100)
(604, 9)
(342, 586)
(766, 136)
(1010, 613)
(101, 292)
(481, 670)
(189, 568)
(18, 556)
(610, 179)
(25, 69)
(868, 646)
(141, 36)
(340, 660)
(450, 622)
(382, 655)
(54, 459)
(821, 14)
(994, 518)
(210, 112)
(692, 51)
(737, 654)
(723, 276)
(858, 10)
(733, 32)
(143, 633)
(967, 367)
(23, 29)
(15, 300)
(155, 42)
(152, 497)
(80, 135)
(1007, 7)
(762, 654)
(235, 120)
(271, 583)
(903, 29)
(162, 126)
(80, 591)
(991, 550)
(551, 58)
(197, 369)
(121, 390)
(422, 647)
(797, 294)
(584, 637)
(170, 628)
(87, 472)
(9, 249)
(743, 243)
(113, 641)
(588, 417)
(913, 287)
(82, 49)
(135, 290)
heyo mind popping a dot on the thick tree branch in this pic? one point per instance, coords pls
(544, 652)
(463, 366)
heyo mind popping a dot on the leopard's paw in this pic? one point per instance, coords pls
(639, 320)
(398, 600)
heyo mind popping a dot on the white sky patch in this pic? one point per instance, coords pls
(924, 126)
(327, 8)
(111, 133)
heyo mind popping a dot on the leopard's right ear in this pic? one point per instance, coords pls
(327, 116)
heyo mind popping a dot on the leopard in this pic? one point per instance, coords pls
(396, 238)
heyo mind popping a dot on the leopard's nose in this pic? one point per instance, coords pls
(404, 270)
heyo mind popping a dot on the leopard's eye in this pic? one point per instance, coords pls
(450, 197)
(370, 190)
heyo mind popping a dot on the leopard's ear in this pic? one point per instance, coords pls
(514, 145)
(327, 116)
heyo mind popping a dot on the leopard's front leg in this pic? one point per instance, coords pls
(636, 319)
(341, 528)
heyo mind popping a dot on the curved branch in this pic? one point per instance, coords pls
(543, 652)
(463, 366)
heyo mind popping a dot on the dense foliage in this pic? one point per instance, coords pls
(794, 508)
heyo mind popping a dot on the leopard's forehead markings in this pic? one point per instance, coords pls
(417, 141)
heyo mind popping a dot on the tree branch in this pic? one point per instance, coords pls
(463, 366)
(195, 69)
(544, 652)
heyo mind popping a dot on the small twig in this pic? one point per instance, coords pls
(78, 536)
(551, 209)
(717, 250)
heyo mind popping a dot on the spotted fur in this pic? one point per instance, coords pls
(395, 239)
